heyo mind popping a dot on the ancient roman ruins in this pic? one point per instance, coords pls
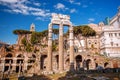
(74, 58)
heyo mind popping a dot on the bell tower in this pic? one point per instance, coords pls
(32, 27)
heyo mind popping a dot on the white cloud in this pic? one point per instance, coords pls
(91, 20)
(60, 6)
(21, 7)
(9, 1)
(71, 1)
(73, 11)
(74, 2)
(36, 4)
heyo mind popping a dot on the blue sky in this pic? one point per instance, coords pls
(20, 14)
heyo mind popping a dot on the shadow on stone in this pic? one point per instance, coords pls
(38, 77)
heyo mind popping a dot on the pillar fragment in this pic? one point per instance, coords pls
(71, 49)
(49, 56)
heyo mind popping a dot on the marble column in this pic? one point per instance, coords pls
(49, 56)
(61, 55)
(71, 48)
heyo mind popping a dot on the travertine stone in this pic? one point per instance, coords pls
(61, 55)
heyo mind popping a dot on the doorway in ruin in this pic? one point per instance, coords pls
(43, 60)
(8, 62)
(57, 61)
(32, 59)
(20, 60)
(67, 64)
(105, 64)
(78, 59)
(88, 62)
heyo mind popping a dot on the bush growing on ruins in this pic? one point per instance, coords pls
(24, 41)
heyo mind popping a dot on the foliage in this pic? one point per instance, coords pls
(54, 46)
(44, 33)
(35, 37)
(85, 30)
(28, 48)
(56, 31)
(17, 32)
(24, 41)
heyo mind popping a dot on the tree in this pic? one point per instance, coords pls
(20, 34)
(24, 41)
(84, 31)
(17, 32)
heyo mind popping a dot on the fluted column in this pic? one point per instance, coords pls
(71, 48)
(49, 56)
(61, 55)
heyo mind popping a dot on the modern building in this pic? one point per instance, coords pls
(110, 37)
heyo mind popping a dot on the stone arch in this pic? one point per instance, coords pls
(106, 64)
(57, 61)
(9, 55)
(32, 59)
(67, 63)
(88, 61)
(20, 61)
(78, 61)
(8, 62)
(33, 55)
(43, 61)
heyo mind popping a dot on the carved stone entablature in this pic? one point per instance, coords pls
(59, 18)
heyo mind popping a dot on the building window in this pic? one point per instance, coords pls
(115, 34)
(89, 42)
(95, 42)
(111, 43)
(110, 34)
(117, 44)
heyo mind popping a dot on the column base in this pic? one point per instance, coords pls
(72, 67)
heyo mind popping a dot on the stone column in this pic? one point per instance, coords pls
(61, 55)
(49, 56)
(9, 70)
(71, 48)
(14, 64)
(3, 64)
(25, 64)
(20, 65)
